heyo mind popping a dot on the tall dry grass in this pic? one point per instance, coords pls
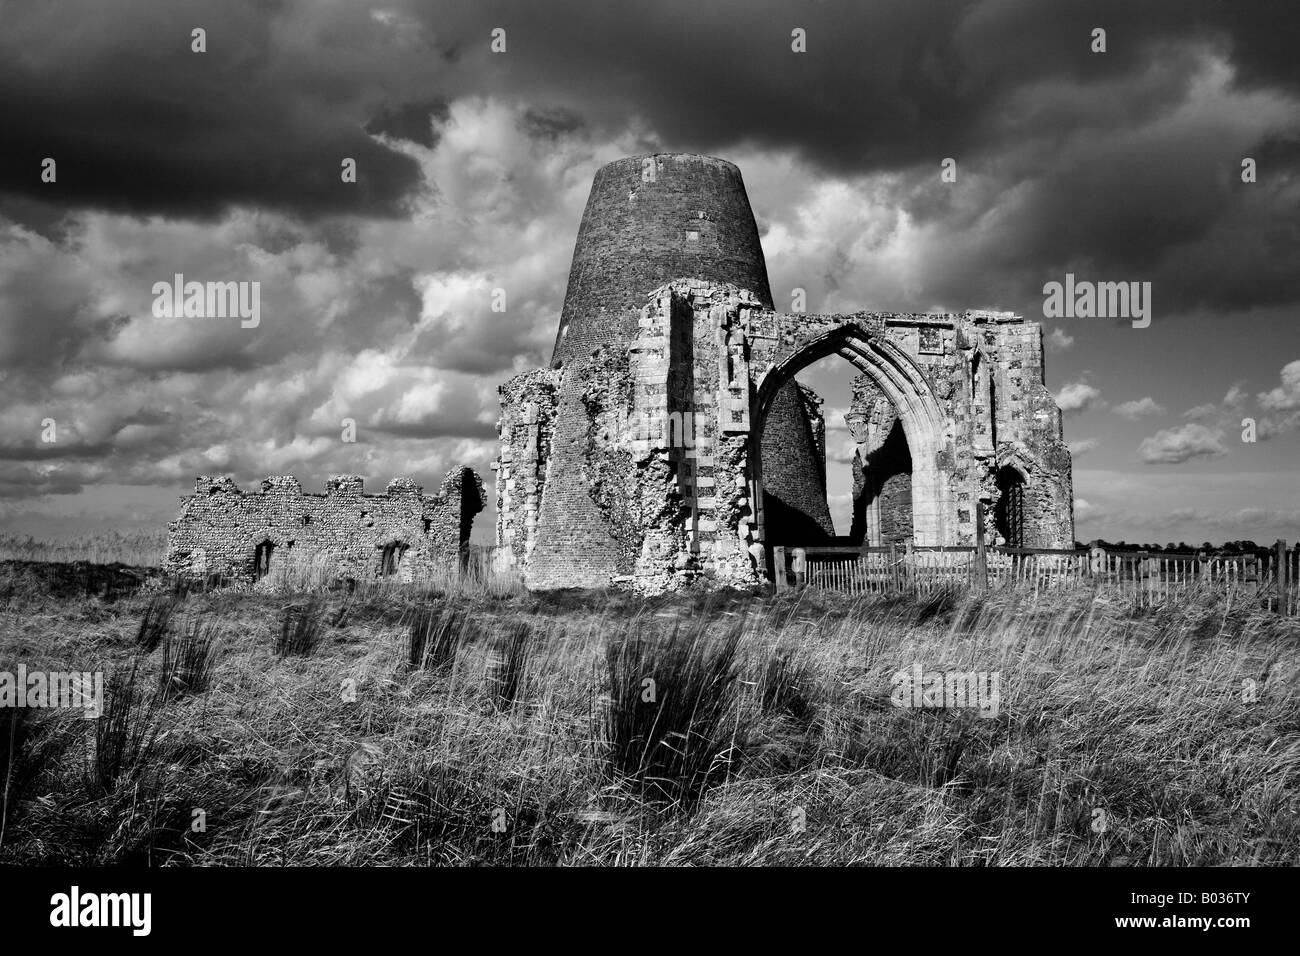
(143, 549)
(1122, 737)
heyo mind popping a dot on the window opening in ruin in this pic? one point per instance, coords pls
(428, 523)
(391, 558)
(993, 410)
(1009, 512)
(262, 560)
(306, 520)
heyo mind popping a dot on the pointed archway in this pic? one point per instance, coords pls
(903, 382)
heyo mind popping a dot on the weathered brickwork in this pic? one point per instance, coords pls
(527, 430)
(795, 503)
(670, 446)
(248, 537)
(650, 219)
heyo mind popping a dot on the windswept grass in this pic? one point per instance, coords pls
(302, 628)
(437, 633)
(154, 622)
(666, 726)
(505, 676)
(125, 733)
(188, 660)
(488, 726)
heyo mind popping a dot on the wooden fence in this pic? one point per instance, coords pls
(1147, 579)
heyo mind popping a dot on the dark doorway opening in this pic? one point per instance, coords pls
(882, 485)
(262, 560)
(390, 558)
(1009, 512)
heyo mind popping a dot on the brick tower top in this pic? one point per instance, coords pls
(650, 219)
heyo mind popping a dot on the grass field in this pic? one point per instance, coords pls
(482, 725)
(140, 548)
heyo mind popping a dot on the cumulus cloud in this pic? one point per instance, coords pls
(1202, 413)
(1058, 340)
(1278, 409)
(1281, 404)
(1139, 408)
(390, 325)
(1285, 397)
(1077, 397)
(1171, 446)
(1082, 446)
(1084, 510)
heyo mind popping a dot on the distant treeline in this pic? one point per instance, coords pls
(1245, 546)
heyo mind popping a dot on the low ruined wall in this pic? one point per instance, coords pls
(341, 533)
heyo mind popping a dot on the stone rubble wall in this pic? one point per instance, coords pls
(527, 432)
(340, 533)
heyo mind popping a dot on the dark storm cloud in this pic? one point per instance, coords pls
(410, 121)
(550, 124)
(882, 84)
(1010, 88)
(139, 123)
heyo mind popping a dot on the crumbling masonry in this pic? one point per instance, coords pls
(247, 537)
(670, 445)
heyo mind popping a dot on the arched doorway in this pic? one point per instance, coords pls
(902, 384)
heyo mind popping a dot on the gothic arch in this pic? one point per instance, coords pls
(902, 381)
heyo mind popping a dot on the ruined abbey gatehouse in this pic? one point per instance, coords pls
(669, 444)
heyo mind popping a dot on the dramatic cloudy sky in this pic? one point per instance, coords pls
(473, 170)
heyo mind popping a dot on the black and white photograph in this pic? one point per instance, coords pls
(589, 435)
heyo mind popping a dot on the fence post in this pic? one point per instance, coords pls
(894, 578)
(1281, 575)
(981, 559)
(778, 568)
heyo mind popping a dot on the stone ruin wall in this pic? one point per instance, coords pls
(662, 513)
(526, 430)
(986, 371)
(339, 534)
